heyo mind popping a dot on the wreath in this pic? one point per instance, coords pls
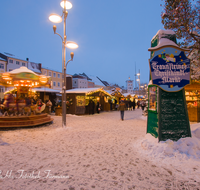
(69, 102)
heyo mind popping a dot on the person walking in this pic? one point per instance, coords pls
(49, 104)
(122, 107)
(133, 105)
(98, 107)
(143, 105)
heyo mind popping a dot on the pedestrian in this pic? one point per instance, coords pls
(49, 105)
(98, 107)
(133, 104)
(130, 105)
(122, 107)
(138, 104)
(91, 107)
(143, 105)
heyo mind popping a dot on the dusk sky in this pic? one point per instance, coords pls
(112, 35)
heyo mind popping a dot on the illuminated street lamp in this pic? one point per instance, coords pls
(69, 44)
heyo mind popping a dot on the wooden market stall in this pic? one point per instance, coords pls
(192, 95)
(77, 100)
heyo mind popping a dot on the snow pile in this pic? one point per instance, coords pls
(183, 155)
(184, 148)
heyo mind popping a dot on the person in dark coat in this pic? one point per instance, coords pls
(143, 105)
(91, 107)
(98, 107)
(130, 105)
(122, 107)
(133, 104)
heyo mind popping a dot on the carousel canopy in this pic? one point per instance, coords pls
(23, 77)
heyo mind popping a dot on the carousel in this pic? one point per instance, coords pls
(20, 108)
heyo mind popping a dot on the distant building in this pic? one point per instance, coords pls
(79, 81)
(56, 79)
(129, 86)
(2, 70)
(14, 63)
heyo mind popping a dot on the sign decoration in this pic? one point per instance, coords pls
(170, 69)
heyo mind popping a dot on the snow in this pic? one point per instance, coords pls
(21, 70)
(98, 152)
(163, 42)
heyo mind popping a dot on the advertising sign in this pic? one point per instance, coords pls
(170, 69)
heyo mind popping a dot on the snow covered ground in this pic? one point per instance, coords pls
(98, 152)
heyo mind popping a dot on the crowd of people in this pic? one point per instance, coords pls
(130, 105)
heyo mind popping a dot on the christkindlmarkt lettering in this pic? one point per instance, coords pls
(171, 70)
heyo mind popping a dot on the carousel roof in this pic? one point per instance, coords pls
(22, 70)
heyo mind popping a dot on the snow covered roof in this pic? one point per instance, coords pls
(81, 90)
(96, 81)
(45, 90)
(86, 91)
(34, 67)
(163, 41)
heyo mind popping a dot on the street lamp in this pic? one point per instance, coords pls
(57, 19)
(138, 74)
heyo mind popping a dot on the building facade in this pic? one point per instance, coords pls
(3, 65)
(79, 82)
(57, 78)
(129, 86)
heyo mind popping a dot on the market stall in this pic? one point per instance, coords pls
(78, 100)
(192, 95)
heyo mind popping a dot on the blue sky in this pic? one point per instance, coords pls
(112, 35)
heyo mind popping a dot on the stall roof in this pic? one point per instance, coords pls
(46, 90)
(86, 91)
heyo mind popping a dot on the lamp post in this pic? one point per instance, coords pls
(57, 19)
(138, 74)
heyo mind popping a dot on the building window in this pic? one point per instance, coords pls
(49, 73)
(10, 61)
(63, 76)
(58, 84)
(58, 75)
(17, 62)
(45, 72)
(23, 64)
(54, 74)
(54, 83)
(1, 66)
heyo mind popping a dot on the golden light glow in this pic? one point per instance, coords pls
(66, 4)
(55, 18)
(71, 45)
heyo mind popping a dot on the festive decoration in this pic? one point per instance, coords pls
(69, 102)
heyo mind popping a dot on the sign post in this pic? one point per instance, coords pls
(170, 72)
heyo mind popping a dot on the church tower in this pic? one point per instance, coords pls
(129, 86)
